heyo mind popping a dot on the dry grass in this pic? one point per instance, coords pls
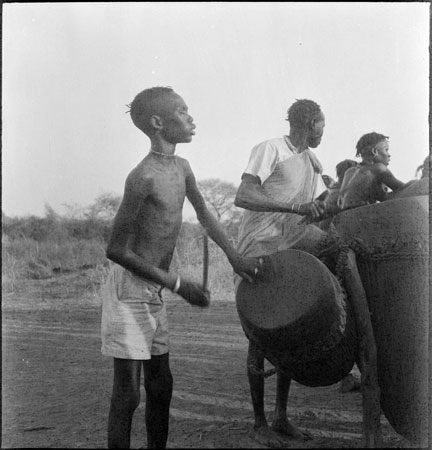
(220, 273)
(25, 261)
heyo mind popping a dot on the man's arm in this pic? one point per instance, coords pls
(118, 251)
(245, 267)
(251, 196)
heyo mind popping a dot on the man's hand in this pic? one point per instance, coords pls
(247, 268)
(321, 211)
(194, 294)
(313, 210)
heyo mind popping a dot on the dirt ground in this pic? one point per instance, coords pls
(56, 385)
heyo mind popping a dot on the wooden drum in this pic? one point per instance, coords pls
(298, 315)
(392, 240)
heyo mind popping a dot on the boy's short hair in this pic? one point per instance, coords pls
(144, 105)
(367, 142)
(343, 166)
(302, 112)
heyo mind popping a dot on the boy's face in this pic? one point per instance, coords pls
(381, 153)
(178, 126)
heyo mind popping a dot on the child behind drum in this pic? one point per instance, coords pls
(369, 181)
(333, 192)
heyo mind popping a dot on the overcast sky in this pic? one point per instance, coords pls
(69, 69)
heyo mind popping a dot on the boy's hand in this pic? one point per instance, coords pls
(247, 268)
(194, 294)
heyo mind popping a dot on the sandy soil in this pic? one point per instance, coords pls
(56, 384)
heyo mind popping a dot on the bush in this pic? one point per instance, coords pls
(89, 228)
(220, 272)
(47, 229)
(27, 258)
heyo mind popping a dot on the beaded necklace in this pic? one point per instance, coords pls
(162, 154)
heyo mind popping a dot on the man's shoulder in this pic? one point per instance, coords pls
(274, 146)
(273, 142)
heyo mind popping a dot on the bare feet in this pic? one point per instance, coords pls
(285, 427)
(265, 436)
(405, 443)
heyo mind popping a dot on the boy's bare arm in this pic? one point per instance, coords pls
(385, 176)
(118, 250)
(245, 267)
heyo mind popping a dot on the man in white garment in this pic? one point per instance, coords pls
(281, 183)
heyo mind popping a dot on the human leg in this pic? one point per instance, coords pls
(281, 424)
(124, 400)
(158, 383)
(349, 383)
(255, 371)
(367, 357)
(255, 364)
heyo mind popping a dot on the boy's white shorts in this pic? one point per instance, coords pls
(134, 318)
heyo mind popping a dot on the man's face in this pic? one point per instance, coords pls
(178, 126)
(381, 153)
(317, 131)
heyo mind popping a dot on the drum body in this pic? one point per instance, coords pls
(392, 240)
(298, 315)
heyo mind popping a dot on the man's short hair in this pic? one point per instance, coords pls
(302, 112)
(367, 142)
(144, 106)
(343, 166)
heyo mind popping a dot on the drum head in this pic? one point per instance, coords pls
(293, 284)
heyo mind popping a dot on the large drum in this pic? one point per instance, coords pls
(392, 242)
(298, 315)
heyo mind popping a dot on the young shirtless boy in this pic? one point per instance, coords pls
(144, 234)
(331, 200)
(369, 181)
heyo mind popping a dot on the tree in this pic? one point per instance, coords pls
(105, 206)
(50, 214)
(219, 196)
(233, 224)
(74, 211)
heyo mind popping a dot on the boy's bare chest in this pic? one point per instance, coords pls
(168, 189)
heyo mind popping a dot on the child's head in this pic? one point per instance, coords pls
(328, 181)
(367, 143)
(424, 168)
(146, 104)
(342, 167)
